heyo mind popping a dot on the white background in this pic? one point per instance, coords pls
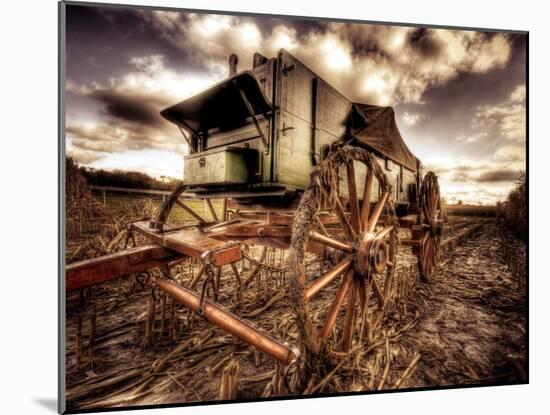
(28, 205)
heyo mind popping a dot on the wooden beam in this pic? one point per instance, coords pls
(257, 230)
(90, 272)
(191, 242)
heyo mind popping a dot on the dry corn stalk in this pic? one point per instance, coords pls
(230, 381)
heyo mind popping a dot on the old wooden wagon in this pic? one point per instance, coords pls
(294, 165)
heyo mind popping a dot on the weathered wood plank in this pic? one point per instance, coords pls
(191, 242)
(90, 272)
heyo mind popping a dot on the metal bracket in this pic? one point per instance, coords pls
(209, 270)
(254, 119)
(287, 69)
(285, 129)
(185, 137)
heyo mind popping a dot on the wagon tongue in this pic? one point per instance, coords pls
(169, 247)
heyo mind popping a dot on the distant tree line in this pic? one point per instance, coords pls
(127, 179)
(513, 212)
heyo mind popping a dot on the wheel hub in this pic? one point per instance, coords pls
(372, 254)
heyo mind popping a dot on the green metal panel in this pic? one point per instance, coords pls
(308, 115)
(312, 114)
(295, 83)
(294, 151)
(220, 167)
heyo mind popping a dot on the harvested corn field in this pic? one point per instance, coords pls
(342, 209)
(466, 326)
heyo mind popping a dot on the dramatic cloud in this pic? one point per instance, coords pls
(499, 176)
(474, 138)
(508, 119)
(459, 96)
(378, 64)
(82, 155)
(208, 39)
(411, 119)
(476, 181)
(400, 64)
(511, 153)
(129, 111)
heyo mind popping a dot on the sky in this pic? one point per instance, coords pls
(459, 96)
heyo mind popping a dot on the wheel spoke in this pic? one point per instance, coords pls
(427, 214)
(366, 200)
(424, 253)
(362, 293)
(363, 306)
(388, 282)
(377, 212)
(379, 294)
(224, 209)
(333, 243)
(190, 211)
(335, 307)
(435, 216)
(427, 252)
(433, 255)
(352, 194)
(328, 277)
(384, 232)
(211, 209)
(321, 226)
(433, 195)
(425, 238)
(349, 319)
(428, 256)
(428, 194)
(343, 219)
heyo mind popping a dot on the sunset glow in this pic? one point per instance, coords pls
(459, 96)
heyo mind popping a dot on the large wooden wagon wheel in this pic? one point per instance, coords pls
(342, 307)
(430, 230)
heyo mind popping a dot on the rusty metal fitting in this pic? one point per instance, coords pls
(372, 254)
(157, 225)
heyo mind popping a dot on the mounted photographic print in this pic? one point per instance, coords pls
(258, 207)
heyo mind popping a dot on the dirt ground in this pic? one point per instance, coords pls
(467, 326)
(473, 325)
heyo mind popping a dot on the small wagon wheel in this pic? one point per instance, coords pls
(167, 217)
(175, 200)
(347, 302)
(431, 226)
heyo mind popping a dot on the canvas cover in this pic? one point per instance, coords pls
(376, 127)
(220, 106)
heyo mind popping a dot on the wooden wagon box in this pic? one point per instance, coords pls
(285, 117)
